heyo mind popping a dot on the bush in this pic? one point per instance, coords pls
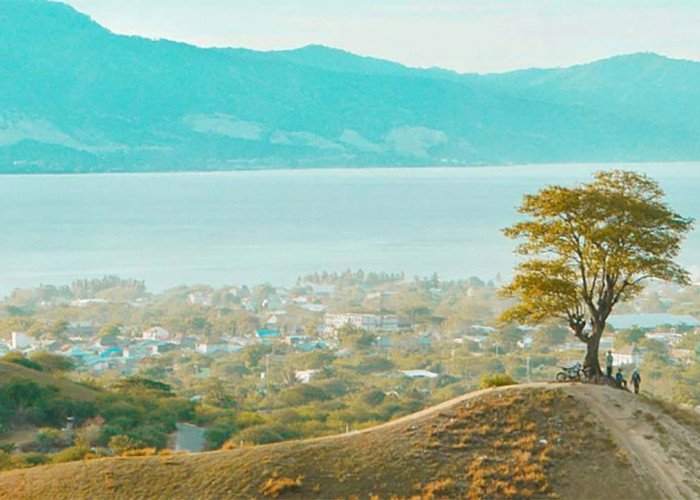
(302, 394)
(496, 380)
(31, 459)
(141, 452)
(273, 486)
(72, 454)
(50, 438)
(53, 362)
(264, 434)
(19, 359)
(8, 448)
(121, 443)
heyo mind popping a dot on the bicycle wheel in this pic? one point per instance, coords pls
(561, 377)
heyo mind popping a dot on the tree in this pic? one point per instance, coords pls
(53, 362)
(590, 247)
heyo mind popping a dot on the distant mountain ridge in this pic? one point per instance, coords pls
(75, 97)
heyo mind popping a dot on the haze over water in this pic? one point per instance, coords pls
(256, 226)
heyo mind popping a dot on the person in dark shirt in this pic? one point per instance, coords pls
(636, 380)
(620, 379)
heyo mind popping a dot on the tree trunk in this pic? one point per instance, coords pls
(592, 363)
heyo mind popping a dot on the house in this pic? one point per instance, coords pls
(419, 374)
(368, 322)
(627, 356)
(267, 336)
(22, 341)
(88, 302)
(82, 330)
(200, 299)
(525, 342)
(212, 347)
(296, 339)
(310, 346)
(304, 376)
(155, 333)
(668, 338)
(317, 308)
(160, 347)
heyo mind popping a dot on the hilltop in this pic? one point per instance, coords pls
(538, 440)
(65, 388)
(78, 98)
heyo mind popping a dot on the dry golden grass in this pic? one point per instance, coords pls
(506, 443)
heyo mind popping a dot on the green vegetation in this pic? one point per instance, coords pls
(496, 380)
(269, 391)
(590, 247)
(508, 443)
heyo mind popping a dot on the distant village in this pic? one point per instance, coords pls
(310, 317)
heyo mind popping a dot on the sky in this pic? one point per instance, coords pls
(463, 35)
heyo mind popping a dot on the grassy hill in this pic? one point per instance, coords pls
(65, 387)
(534, 441)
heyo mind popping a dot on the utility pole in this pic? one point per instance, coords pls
(528, 366)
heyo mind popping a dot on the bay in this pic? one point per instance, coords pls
(275, 225)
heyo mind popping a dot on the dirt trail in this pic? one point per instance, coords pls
(662, 449)
(429, 412)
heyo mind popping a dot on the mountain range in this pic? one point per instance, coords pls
(75, 97)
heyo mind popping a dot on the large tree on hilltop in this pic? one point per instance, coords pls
(589, 247)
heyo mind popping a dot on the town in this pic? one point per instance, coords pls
(336, 352)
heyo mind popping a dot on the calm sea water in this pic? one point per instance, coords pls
(251, 227)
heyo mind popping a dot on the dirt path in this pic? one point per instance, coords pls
(430, 411)
(662, 449)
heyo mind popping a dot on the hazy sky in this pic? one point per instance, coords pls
(465, 35)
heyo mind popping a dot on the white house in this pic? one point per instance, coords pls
(419, 373)
(304, 376)
(21, 341)
(368, 322)
(155, 333)
(200, 298)
(626, 356)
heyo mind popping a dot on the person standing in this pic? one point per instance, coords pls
(609, 364)
(636, 380)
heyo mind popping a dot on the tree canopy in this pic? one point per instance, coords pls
(588, 247)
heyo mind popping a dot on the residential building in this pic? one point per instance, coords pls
(155, 333)
(627, 356)
(369, 322)
(267, 336)
(21, 341)
(200, 299)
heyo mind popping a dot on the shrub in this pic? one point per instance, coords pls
(32, 459)
(53, 362)
(141, 452)
(72, 454)
(19, 359)
(50, 438)
(273, 486)
(264, 434)
(8, 448)
(496, 380)
(302, 394)
(5, 460)
(121, 443)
